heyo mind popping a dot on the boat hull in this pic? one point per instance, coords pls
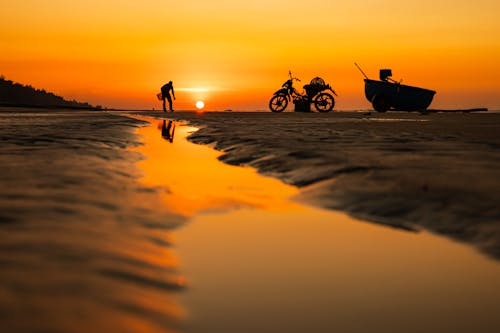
(398, 96)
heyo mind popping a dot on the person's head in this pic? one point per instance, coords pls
(169, 82)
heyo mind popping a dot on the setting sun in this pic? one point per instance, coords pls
(200, 105)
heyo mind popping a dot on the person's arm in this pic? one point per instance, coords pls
(173, 94)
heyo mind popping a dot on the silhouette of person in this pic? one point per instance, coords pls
(165, 94)
(167, 131)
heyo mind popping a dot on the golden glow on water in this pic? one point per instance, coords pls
(273, 265)
(322, 271)
(195, 181)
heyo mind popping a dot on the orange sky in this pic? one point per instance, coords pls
(234, 54)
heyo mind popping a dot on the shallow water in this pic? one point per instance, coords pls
(439, 172)
(270, 264)
(314, 271)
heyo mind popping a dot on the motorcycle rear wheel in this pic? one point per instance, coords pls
(324, 102)
(278, 103)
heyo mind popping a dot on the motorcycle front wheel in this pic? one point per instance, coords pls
(324, 102)
(278, 103)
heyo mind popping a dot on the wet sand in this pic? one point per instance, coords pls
(97, 238)
(255, 261)
(439, 172)
(84, 246)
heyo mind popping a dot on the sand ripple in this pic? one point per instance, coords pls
(440, 172)
(84, 247)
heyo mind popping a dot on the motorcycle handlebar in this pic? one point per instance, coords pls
(291, 77)
(333, 91)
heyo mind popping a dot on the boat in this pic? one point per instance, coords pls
(388, 94)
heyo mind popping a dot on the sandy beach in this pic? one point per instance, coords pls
(114, 221)
(85, 247)
(438, 172)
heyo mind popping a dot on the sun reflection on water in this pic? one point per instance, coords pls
(196, 181)
(287, 267)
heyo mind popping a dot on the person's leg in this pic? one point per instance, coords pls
(164, 106)
(170, 102)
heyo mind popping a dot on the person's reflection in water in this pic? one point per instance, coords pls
(167, 131)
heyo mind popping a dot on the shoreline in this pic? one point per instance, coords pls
(437, 172)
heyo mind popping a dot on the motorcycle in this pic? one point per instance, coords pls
(323, 101)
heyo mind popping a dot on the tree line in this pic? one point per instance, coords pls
(15, 94)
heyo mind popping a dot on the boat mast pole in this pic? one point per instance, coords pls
(361, 71)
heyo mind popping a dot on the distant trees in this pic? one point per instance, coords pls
(15, 94)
